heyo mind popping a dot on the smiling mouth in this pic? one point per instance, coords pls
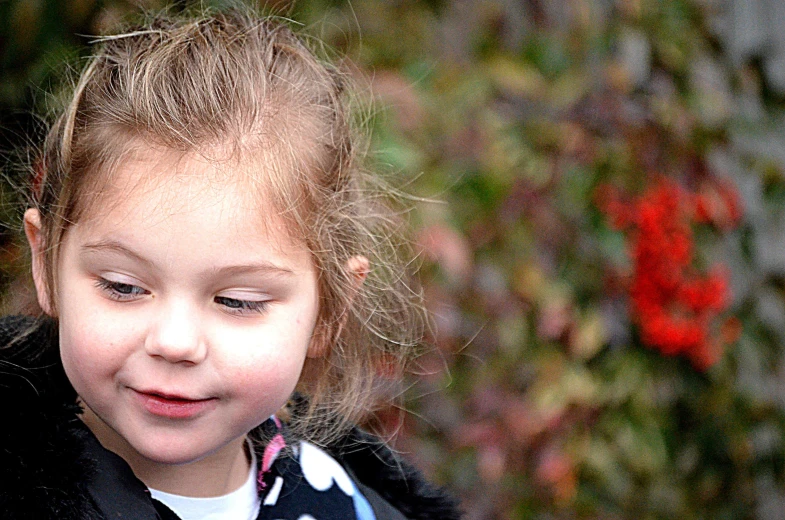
(173, 407)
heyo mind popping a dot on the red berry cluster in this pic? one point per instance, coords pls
(673, 305)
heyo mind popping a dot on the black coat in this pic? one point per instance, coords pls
(53, 467)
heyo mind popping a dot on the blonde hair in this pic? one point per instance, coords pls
(247, 83)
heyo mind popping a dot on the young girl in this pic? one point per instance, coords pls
(219, 289)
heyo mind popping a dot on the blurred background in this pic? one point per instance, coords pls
(602, 236)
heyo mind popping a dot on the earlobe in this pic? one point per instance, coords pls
(358, 268)
(32, 224)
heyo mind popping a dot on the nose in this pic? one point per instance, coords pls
(176, 335)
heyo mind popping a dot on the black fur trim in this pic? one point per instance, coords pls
(395, 480)
(41, 442)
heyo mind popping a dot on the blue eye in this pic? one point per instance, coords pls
(120, 291)
(241, 306)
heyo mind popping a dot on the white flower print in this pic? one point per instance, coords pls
(321, 470)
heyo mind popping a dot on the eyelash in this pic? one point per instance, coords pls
(236, 306)
(125, 291)
(120, 291)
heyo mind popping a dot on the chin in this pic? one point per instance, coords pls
(172, 459)
(173, 453)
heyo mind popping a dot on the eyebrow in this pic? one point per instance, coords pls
(112, 246)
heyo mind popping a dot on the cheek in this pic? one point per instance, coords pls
(265, 382)
(82, 361)
(89, 348)
(268, 369)
(259, 390)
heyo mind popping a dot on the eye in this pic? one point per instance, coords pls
(236, 306)
(120, 291)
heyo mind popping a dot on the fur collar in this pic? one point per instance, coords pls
(42, 452)
(44, 447)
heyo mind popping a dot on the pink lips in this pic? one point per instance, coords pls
(173, 407)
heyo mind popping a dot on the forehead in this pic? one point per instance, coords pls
(150, 187)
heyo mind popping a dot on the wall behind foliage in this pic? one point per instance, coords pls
(604, 250)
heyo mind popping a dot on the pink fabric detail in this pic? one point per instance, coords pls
(271, 452)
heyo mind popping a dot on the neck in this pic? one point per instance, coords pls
(219, 473)
(215, 475)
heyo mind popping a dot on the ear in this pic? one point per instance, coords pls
(358, 268)
(32, 223)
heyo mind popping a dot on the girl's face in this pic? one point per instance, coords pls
(185, 316)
